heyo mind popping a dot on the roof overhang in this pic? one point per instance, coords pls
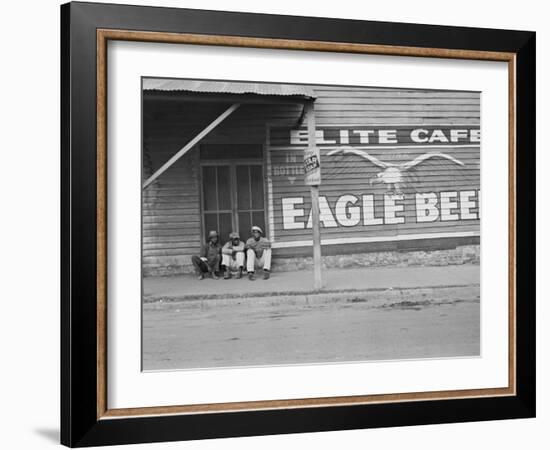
(221, 91)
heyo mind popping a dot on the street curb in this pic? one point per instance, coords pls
(374, 297)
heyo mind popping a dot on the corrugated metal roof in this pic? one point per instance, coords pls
(225, 87)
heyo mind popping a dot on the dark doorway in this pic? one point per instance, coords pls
(232, 192)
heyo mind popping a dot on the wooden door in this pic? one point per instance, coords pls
(232, 198)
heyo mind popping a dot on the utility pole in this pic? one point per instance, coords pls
(312, 169)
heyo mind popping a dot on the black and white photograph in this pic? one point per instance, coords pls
(289, 224)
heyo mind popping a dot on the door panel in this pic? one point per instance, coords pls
(225, 226)
(209, 194)
(243, 188)
(233, 198)
(250, 197)
(210, 223)
(224, 188)
(217, 205)
(257, 187)
(244, 225)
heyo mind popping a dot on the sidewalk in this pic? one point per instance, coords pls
(184, 287)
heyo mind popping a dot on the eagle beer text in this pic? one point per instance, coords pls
(350, 210)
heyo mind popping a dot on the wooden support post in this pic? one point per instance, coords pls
(312, 150)
(318, 279)
(190, 144)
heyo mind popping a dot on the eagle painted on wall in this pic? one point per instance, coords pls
(398, 176)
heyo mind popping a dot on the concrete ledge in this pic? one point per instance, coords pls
(464, 254)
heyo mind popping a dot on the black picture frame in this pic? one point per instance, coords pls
(80, 425)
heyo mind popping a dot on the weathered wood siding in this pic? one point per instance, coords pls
(346, 109)
(172, 229)
(171, 212)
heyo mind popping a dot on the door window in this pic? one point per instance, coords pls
(233, 198)
(250, 198)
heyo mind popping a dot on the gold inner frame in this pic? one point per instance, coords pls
(104, 35)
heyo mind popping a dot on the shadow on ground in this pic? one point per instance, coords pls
(50, 434)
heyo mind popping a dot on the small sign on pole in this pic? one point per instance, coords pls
(312, 166)
(312, 171)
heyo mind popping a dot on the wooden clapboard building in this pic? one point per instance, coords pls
(399, 171)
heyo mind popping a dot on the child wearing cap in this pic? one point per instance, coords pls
(233, 256)
(258, 253)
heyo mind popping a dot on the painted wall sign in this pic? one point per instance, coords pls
(352, 210)
(289, 168)
(377, 181)
(383, 135)
(395, 175)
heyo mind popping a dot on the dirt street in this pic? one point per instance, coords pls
(180, 335)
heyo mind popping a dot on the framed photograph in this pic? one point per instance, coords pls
(277, 224)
